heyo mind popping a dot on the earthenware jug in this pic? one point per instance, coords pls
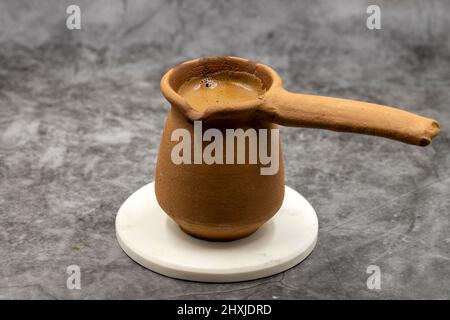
(223, 202)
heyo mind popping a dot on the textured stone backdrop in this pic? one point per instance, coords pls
(81, 116)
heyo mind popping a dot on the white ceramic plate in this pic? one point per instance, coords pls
(153, 239)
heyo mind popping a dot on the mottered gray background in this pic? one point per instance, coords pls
(81, 116)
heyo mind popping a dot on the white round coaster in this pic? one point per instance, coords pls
(153, 239)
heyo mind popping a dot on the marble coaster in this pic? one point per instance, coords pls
(153, 239)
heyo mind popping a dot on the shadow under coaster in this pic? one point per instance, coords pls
(151, 238)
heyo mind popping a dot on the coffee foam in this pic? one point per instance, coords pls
(221, 89)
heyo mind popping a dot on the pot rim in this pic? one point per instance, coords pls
(212, 64)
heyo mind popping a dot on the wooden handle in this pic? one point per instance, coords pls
(301, 110)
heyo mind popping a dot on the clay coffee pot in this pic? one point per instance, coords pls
(222, 202)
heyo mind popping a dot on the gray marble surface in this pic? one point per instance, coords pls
(81, 116)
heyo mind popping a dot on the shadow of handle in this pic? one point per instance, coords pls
(301, 110)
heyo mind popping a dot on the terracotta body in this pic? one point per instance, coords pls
(226, 202)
